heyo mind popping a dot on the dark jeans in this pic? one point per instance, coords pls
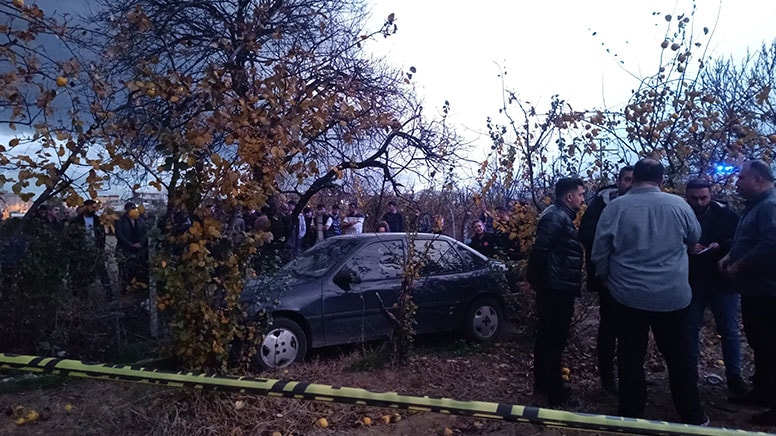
(724, 307)
(669, 330)
(759, 314)
(554, 311)
(606, 342)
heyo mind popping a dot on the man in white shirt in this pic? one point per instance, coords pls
(353, 223)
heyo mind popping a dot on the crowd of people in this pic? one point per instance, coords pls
(657, 261)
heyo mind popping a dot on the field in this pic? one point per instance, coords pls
(441, 365)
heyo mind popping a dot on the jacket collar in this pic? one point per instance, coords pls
(643, 189)
(567, 210)
(760, 197)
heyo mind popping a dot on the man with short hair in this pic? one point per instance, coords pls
(353, 224)
(606, 341)
(321, 223)
(640, 253)
(481, 241)
(709, 286)
(555, 272)
(751, 265)
(88, 260)
(394, 218)
(335, 228)
(503, 229)
(132, 248)
(298, 229)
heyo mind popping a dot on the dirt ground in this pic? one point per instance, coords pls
(441, 365)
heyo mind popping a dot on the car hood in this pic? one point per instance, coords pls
(273, 291)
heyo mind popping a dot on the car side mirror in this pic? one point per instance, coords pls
(346, 277)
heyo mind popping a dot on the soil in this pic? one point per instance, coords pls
(441, 365)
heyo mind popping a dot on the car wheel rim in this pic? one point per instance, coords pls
(279, 348)
(485, 322)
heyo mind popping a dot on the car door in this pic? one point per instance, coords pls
(356, 314)
(442, 285)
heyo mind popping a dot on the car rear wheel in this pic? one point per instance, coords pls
(484, 320)
(284, 343)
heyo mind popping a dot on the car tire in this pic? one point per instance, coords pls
(283, 344)
(484, 320)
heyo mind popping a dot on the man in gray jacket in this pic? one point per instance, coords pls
(640, 253)
(751, 265)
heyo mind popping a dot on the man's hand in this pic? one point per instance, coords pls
(729, 268)
(723, 263)
(695, 249)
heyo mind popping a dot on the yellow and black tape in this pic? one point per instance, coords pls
(318, 392)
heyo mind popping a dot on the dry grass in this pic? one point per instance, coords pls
(442, 365)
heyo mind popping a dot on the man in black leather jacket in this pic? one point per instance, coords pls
(606, 340)
(555, 272)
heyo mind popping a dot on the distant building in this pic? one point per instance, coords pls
(113, 202)
(152, 201)
(11, 205)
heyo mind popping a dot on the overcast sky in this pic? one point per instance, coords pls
(548, 47)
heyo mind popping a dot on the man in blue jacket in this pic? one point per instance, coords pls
(751, 265)
(555, 272)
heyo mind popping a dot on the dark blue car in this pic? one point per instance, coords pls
(335, 292)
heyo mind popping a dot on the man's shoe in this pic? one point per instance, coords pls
(753, 398)
(765, 418)
(737, 386)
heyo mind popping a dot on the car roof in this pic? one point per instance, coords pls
(393, 235)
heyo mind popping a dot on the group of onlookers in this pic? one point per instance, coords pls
(657, 261)
(87, 234)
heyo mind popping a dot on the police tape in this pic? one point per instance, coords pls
(318, 392)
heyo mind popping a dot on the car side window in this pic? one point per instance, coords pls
(378, 261)
(471, 259)
(438, 257)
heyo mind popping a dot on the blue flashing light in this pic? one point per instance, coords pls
(724, 169)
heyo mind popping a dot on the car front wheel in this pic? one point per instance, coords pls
(484, 320)
(284, 343)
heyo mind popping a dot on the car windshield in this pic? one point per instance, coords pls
(317, 260)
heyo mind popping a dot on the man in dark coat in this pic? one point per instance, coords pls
(88, 259)
(709, 286)
(751, 265)
(394, 218)
(606, 342)
(132, 248)
(482, 241)
(555, 272)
